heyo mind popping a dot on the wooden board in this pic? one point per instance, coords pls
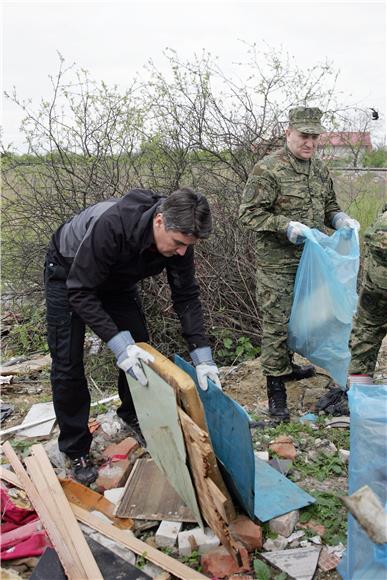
(69, 563)
(123, 537)
(46, 481)
(148, 495)
(30, 366)
(157, 414)
(189, 400)
(212, 501)
(230, 435)
(152, 554)
(85, 497)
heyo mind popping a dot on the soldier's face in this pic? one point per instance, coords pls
(170, 242)
(302, 145)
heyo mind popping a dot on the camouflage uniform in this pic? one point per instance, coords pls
(370, 324)
(280, 189)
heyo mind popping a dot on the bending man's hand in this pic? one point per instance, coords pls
(205, 367)
(129, 355)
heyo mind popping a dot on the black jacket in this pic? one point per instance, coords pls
(109, 247)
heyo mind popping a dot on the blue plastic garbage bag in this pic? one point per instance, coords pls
(325, 300)
(363, 559)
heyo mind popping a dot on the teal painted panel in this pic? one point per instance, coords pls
(275, 494)
(228, 425)
(157, 414)
(261, 490)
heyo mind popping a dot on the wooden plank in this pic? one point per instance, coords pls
(91, 500)
(159, 558)
(158, 418)
(184, 386)
(199, 448)
(152, 554)
(63, 509)
(188, 398)
(157, 500)
(61, 546)
(9, 477)
(40, 483)
(231, 438)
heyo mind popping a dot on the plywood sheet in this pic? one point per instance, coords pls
(148, 495)
(157, 414)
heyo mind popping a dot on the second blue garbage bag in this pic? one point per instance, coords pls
(325, 300)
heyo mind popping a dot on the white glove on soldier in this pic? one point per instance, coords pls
(342, 220)
(129, 355)
(296, 232)
(205, 367)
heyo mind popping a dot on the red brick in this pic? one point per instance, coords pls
(113, 475)
(240, 577)
(283, 447)
(220, 563)
(247, 532)
(125, 447)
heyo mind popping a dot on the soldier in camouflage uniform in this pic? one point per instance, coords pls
(285, 192)
(370, 324)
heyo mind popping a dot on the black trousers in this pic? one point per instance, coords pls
(65, 335)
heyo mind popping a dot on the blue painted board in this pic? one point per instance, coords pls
(261, 490)
(228, 426)
(275, 494)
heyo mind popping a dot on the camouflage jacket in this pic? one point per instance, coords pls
(376, 251)
(280, 189)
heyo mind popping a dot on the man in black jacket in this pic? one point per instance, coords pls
(92, 266)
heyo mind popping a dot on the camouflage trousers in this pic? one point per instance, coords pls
(274, 298)
(369, 329)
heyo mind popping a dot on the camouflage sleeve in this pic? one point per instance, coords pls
(331, 205)
(257, 208)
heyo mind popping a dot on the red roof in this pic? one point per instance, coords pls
(346, 139)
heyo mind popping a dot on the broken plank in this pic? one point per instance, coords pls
(124, 537)
(65, 554)
(63, 508)
(67, 525)
(199, 449)
(90, 500)
(157, 500)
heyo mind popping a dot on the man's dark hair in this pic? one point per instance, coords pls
(187, 212)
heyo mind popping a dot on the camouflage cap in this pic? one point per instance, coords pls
(306, 120)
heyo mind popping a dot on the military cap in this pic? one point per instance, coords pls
(306, 120)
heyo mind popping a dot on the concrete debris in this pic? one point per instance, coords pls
(284, 525)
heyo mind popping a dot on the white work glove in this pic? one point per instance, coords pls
(296, 232)
(206, 371)
(129, 355)
(205, 367)
(342, 220)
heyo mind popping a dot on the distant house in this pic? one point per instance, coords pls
(347, 144)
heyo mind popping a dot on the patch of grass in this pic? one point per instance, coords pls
(330, 512)
(193, 560)
(22, 446)
(323, 467)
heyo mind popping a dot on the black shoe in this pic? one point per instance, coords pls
(300, 372)
(83, 469)
(335, 402)
(276, 393)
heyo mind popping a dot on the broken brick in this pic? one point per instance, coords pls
(327, 561)
(319, 529)
(285, 524)
(247, 532)
(113, 474)
(125, 447)
(283, 446)
(220, 563)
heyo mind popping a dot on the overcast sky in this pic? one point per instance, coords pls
(114, 39)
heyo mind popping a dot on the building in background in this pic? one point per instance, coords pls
(348, 146)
